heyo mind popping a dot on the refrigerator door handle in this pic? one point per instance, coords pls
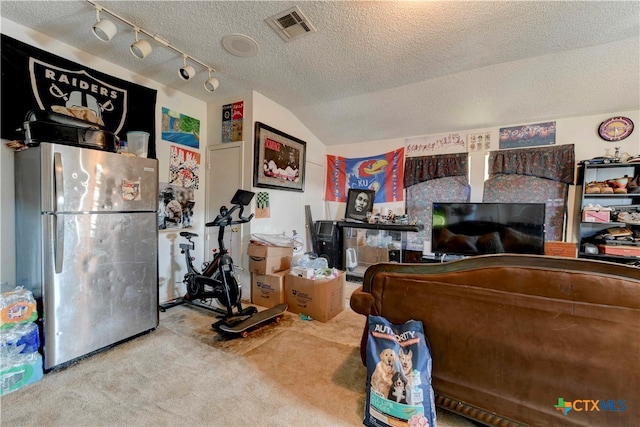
(58, 191)
(58, 250)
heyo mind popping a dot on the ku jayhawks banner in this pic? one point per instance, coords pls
(383, 173)
(33, 79)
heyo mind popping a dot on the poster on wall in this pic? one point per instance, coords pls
(435, 144)
(262, 205)
(232, 120)
(34, 79)
(479, 141)
(184, 168)
(528, 135)
(383, 173)
(180, 128)
(175, 207)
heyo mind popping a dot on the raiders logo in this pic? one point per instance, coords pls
(78, 94)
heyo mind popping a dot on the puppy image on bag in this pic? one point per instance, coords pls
(398, 391)
(382, 377)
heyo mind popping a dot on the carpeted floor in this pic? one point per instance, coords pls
(292, 373)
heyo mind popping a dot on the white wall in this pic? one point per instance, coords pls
(580, 131)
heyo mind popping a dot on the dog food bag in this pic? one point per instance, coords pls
(399, 389)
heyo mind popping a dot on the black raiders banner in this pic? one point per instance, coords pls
(33, 79)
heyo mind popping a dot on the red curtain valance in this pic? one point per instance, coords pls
(556, 163)
(420, 169)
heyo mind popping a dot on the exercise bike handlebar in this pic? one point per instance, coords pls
(241, 219)
(224, 218)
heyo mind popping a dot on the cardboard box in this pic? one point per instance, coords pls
(372, 255)
(622, 250)
(269, 259)
(596, 216)
(355, 237)
(267, 290)
(320, 299)
(561, 249)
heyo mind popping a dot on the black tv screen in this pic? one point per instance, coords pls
(488, 228)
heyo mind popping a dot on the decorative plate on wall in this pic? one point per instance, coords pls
(615, 128)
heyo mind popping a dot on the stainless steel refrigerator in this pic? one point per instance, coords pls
(87, 246)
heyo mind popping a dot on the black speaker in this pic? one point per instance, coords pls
(329, 243)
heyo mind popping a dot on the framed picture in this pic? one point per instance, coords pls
(279, 159)
(359, 204)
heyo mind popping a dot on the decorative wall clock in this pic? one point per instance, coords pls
(615, 128)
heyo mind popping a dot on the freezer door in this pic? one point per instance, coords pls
(100, 281)
(83, 180)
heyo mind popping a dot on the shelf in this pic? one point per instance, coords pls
(621, 196)
(612, 165)
(358, 271)
(615, 242)
(608, 224)
(387, 227)
(611, 258)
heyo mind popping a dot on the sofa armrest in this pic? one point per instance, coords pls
(362, 302)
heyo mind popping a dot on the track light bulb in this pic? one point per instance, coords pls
(103, 28)
(140, 48)
(212, 83)
(186, 71)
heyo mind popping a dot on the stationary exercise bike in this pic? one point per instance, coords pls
(217, 280)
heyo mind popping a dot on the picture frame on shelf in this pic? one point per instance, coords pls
(359, 204)
(279, 159)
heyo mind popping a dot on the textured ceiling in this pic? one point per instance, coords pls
(381, 70)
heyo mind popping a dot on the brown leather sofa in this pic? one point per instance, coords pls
(515, 339)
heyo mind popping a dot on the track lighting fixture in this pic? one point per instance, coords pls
(186, 71)
(105, 30)
(140, 48)
(212, 83)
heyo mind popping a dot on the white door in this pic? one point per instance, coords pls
(224, 178)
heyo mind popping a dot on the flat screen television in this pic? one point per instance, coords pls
(488, 228)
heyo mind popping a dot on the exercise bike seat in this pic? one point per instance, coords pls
(187, 234)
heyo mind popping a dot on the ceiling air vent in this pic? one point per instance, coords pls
(291, 24)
